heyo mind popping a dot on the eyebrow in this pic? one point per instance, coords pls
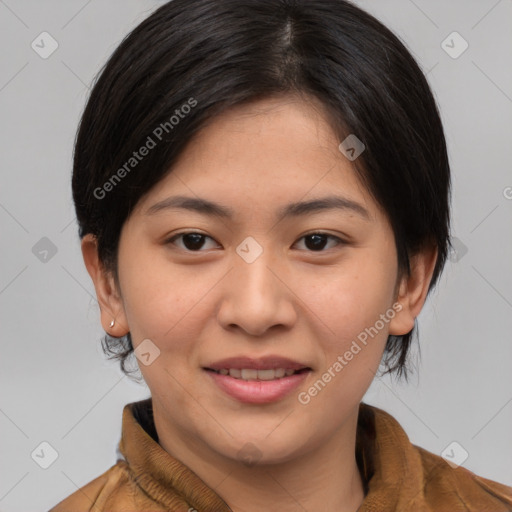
(296, 209)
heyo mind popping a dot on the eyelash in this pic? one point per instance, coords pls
(174, 237)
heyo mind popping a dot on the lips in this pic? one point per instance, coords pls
(258, 380)
(262, 363)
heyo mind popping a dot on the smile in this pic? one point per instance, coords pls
(253, 374)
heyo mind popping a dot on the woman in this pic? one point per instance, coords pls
(263, 191)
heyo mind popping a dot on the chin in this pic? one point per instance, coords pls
(260, 451)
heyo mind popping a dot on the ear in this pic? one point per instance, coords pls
(413, 290)
(109, 298)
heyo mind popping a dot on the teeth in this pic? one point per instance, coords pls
(249, 374)
(252, 374)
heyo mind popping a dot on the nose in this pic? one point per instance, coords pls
(256, 296)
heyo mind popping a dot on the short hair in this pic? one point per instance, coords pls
(210, 55)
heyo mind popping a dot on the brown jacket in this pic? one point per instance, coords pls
(398, 475)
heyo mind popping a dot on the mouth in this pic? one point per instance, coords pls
(257, 381)
(249, 374)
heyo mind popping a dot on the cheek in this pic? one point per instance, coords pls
(163, 303)
(353, 336)
(349, 300)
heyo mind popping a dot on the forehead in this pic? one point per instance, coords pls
(262, 155)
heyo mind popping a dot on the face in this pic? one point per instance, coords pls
(314, 286)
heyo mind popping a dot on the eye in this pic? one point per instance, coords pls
(192, 241)
(316, 242)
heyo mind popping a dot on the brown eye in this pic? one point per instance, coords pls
(316, 242)
(191, 241)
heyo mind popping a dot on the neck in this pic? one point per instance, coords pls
(324, 478)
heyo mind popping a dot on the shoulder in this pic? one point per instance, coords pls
(466, 490)
(416, 479)
(96, 491)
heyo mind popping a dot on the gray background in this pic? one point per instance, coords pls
(57, 385)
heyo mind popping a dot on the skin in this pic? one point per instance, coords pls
(309, 305)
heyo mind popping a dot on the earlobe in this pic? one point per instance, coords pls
(113, 317)
(413, 290)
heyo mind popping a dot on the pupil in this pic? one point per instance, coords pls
(193, 241)
(319, 241)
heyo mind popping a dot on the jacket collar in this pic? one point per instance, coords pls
(391, 466)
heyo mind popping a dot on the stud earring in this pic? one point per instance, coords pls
(112, 323)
